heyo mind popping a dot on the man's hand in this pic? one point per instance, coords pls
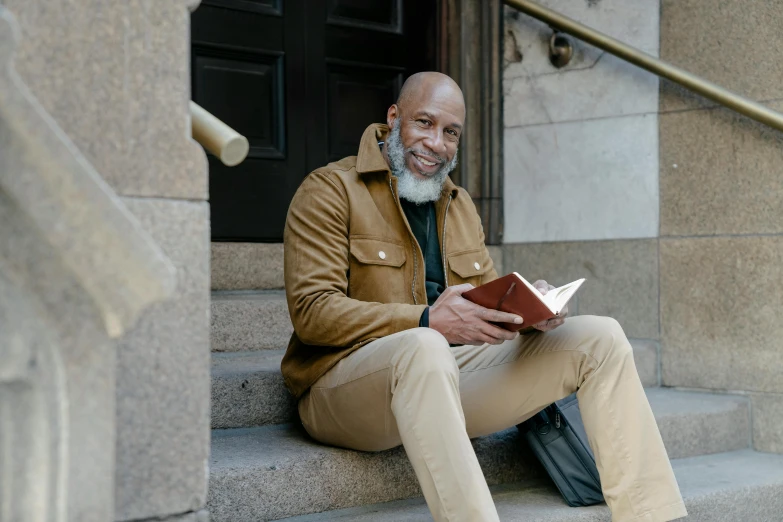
(547, 326)
(463, 322)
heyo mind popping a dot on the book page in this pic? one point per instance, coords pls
(557, 299)
(534, 290)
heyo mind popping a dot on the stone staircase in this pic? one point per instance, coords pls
(264, 466)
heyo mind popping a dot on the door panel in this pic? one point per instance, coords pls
(221, 80)
(269, 7)
(248, 70)
(357, 95)
(384, 15)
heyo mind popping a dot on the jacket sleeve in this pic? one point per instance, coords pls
(316, 272)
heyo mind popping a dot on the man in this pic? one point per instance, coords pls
(378, 250)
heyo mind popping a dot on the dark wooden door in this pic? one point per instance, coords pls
(301, 79)
(248, 68)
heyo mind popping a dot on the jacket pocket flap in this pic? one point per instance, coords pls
(377, 252)
(470, 263)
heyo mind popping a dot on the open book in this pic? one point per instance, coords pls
(512, 293)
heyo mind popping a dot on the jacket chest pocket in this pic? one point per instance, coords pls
(468, 266)
(377, 271)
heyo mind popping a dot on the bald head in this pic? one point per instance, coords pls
(424, 87)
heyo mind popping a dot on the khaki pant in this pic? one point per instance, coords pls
(412, 388)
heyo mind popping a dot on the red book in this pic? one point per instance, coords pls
(513, 294)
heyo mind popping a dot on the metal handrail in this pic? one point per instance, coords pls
(650, 63)
(217, 137)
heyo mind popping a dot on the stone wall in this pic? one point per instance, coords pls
(670, 206)
(115, 76)
(582, 138)
(581, 162)
(721, 246)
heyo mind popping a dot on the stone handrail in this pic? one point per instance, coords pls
(72, 207)
(217, 137)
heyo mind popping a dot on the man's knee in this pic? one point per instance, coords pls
(426, 351)
(607, 338)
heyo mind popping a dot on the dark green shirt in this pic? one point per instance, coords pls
(424, 226)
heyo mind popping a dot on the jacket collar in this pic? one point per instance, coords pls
(370, 158)
(449, 188)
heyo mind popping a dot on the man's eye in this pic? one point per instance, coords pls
(425, 122)
(452, 132)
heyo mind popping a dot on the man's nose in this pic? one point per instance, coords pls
(436, 143)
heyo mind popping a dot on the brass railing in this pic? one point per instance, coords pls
(650, 63)
(217, 137)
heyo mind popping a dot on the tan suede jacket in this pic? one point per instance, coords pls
(354, 271)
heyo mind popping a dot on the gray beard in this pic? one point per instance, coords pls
(409, 186)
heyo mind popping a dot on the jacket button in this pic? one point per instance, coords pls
(382, 254)
(477, 266)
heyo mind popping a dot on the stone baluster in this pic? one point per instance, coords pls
(76, 271)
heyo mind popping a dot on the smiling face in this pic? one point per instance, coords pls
(430, 114)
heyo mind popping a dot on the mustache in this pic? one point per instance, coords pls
(425, 153)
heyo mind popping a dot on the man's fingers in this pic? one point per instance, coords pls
(496, 316)
(460, 289)
(496, 336)
(481, 332)
(541, 325)
(542, 286)
(477, 337)
(490, 340)
(495, 332)
(549, 325)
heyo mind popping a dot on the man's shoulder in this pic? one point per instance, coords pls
(464, 199)
(462, 193)
(344, 168)
(342, 171)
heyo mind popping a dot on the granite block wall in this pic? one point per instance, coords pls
(721, 183)
(581, 142)
(116, 77)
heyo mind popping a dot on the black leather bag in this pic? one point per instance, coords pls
(557, 437)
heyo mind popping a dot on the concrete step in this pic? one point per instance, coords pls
(741, 485)
(277, 471)
(247, 266)
(248, 389)
(273, 472)
(249, 320)
(645, 355)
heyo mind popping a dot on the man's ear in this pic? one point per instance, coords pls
(391, 115)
